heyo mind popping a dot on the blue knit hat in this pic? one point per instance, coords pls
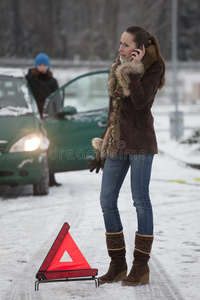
(42, 59)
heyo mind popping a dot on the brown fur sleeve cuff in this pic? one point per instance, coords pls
(124, 70)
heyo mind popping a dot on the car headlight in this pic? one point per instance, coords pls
(30, 142)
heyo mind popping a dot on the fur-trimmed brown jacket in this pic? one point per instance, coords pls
(132, 89)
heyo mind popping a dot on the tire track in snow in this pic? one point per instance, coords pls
(161, 285)
(162, 282)
(24, 292)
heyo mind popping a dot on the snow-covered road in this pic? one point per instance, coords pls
(30, 224)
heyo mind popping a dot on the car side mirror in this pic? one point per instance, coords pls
(67, 110)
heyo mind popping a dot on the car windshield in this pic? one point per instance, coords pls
(14, 96)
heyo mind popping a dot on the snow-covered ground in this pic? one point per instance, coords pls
(29, 225)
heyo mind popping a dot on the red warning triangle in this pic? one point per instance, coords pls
(77, 262)
(65, 260)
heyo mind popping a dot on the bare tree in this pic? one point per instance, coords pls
(92, 28)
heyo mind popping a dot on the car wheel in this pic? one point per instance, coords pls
(42, 187)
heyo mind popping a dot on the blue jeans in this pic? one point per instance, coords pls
(115, 170)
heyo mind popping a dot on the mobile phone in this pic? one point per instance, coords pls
(140, 48)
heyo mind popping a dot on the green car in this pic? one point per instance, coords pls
(30, 148)
(23, 140)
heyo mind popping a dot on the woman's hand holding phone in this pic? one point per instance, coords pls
(137, 54)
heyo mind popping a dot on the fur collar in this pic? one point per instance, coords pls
(118, 81)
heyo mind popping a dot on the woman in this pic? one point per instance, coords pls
(129, 140)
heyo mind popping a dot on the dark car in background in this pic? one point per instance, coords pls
(30, 147)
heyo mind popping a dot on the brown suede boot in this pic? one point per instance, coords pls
(116, 250)
(139, 273)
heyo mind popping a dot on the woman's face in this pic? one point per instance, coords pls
(127, 45)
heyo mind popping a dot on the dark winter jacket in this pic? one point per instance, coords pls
(132, 88)
(42, 85)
